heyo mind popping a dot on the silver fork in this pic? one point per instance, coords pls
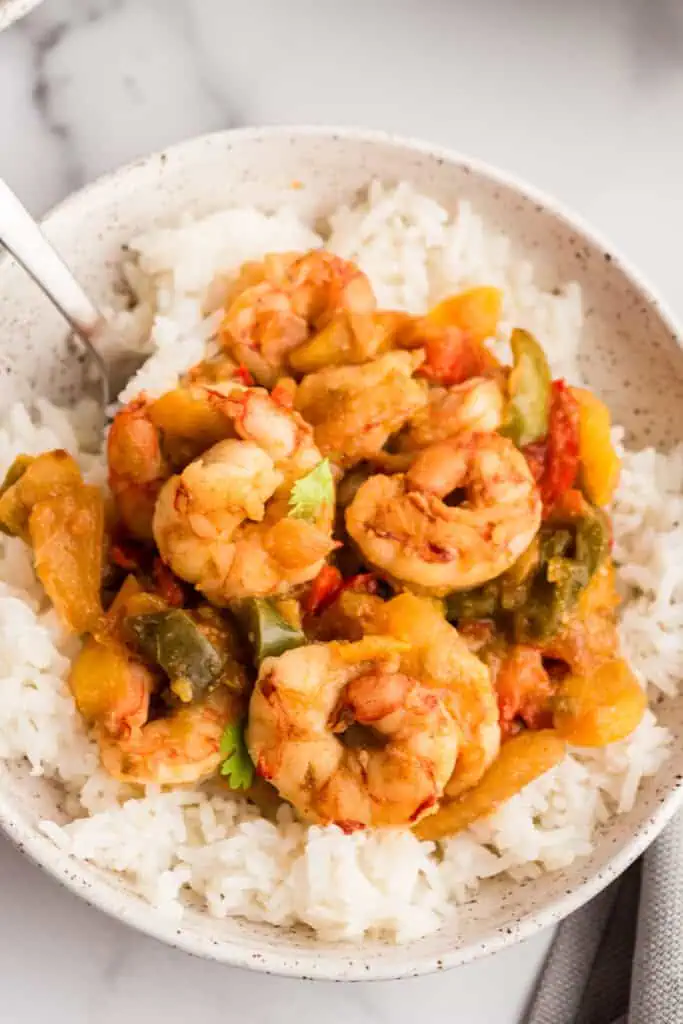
(23, 238)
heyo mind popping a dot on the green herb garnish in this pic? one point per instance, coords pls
(237, 766)
(312, 492)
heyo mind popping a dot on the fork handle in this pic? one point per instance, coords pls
(22, 237)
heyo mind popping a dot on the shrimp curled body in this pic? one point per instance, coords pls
(181, 748)
(274, 305)
(354, 409)
(223, 524)
(350, 739)
(475, 405)
(405, 528)
(150, 438)
(440, 657)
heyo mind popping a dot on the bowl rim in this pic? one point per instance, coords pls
(351, 964)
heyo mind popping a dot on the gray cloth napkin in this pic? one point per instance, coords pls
(619, 959)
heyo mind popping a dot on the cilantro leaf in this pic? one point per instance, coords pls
(311, 492)
(238, 766)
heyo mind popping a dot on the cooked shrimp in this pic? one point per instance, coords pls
(260, 329)
(441, 658)
(354, 409)
(183, 747)
(223, 522)
(279, 431)
(137, 466)
(477, 404)
(274, 305)
(404, 527)
(348, 738)
(149, 438)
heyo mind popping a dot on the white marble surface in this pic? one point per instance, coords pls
(584, 99)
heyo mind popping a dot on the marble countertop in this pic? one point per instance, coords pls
(583, 99)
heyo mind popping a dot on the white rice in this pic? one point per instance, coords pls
(235, 862)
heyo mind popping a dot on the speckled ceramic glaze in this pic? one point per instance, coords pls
(12, 10)
(630, 352)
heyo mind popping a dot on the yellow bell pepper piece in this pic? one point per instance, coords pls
(600, 463)
(522, 759)
(475, 311)
(605, 707)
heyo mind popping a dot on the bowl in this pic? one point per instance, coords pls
(259, 166)
(12, 10)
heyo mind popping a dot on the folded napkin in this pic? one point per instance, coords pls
(619, 959)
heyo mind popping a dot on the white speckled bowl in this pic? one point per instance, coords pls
(12, 10)
(632, 355)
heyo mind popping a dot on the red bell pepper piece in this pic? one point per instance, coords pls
(554, 462)
(327, 585)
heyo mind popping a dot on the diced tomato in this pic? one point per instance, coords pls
(243, 375)
(167, 584)
(562, 461)
(324, 589)
(554, 462)
(451, 356)
(524, 690)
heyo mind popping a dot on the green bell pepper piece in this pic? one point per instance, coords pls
(531, 601)
(268, 633)
(173, 641)
(526, 415)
